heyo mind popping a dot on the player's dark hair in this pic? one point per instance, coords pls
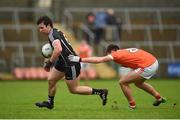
(112, 47)
(46, 20)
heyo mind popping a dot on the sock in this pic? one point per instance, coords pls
(96, 91)
(51, 99)
(132, 103)
(158, 97)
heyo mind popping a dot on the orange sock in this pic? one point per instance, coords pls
(158, 97)
(132, 103)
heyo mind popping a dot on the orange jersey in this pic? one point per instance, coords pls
(133, 58)
(84, 51)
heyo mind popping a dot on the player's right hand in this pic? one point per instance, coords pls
(74, 58)
(47, 65)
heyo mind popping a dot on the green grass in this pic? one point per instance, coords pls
(17, 100)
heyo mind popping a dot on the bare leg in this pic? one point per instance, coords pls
(53, 78)
(124, 82)
(126, 89)
(76, 89)
(147, 87)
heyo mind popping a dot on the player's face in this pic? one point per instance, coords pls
(44, 29)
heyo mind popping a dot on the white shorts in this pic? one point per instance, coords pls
(148, 72)
(84, 66)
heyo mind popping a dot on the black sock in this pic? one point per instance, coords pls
(96, 91)
(51, 99)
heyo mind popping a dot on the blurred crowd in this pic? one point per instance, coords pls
(87, 71)
(104, 24)
(106, 27)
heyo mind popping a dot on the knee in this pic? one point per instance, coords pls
(51, 82)
(73, 90)
(138, 84)
(122, 82)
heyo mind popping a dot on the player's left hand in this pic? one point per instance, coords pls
(74, 58)
(47, 65)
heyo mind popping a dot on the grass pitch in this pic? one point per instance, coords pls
(17, 100)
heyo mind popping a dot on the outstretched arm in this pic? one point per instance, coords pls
(90, 59)
(96, 59)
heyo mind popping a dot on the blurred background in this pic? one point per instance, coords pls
(152, 25)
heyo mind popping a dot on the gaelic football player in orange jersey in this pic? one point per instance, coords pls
(143, 65)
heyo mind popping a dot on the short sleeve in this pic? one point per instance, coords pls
(54, 35)
(115, 55)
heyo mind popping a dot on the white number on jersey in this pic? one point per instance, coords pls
(132, 50)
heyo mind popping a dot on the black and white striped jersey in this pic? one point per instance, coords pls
(66, 47)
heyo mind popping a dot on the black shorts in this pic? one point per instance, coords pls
(71, 71)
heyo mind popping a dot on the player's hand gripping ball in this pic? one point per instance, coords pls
(47, 50)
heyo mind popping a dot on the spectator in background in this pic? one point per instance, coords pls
(111, 18)
(87, 72)
(100, 24)
(90, 21)
(114, 26)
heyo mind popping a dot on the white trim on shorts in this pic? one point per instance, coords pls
(149, 71)
(73, 72)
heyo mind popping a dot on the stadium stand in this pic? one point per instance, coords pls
(134, 35)
(145, 28)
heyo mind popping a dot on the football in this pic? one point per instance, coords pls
(46, 50)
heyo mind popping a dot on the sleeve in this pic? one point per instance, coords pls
(54, 36)
(115, 55)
